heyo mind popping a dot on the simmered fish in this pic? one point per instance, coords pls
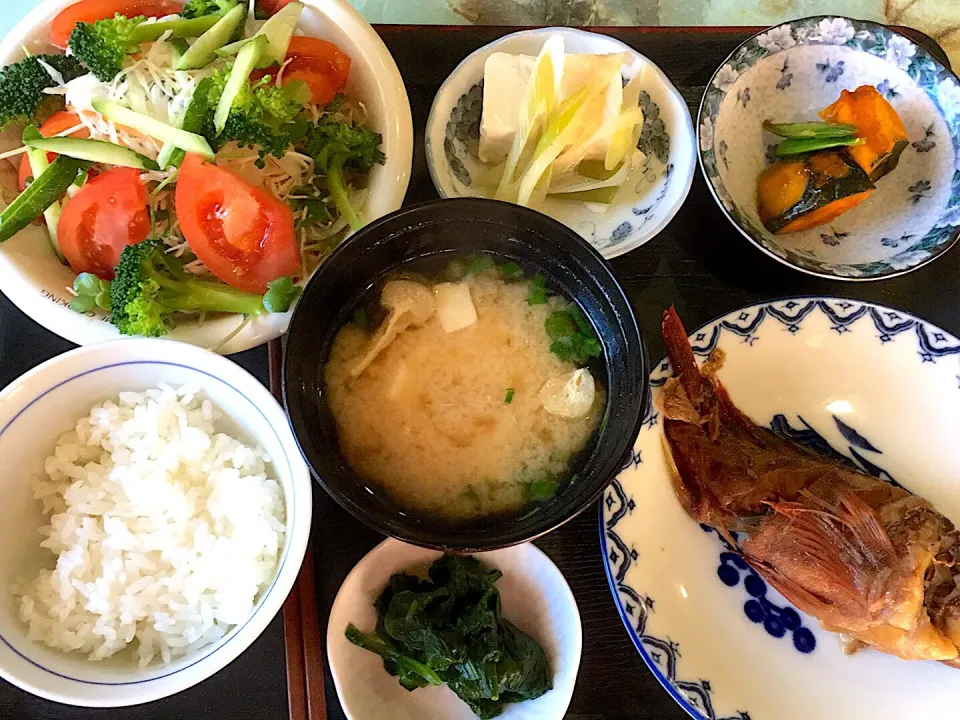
(864, 557)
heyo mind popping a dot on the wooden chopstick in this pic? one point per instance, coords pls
(301, 625)
(311, 642)
(293, 644)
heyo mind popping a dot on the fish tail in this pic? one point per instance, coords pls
(681, 355)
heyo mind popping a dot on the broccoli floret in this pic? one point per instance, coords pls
(199, 8)
(263, 115)
(22, 84)
(103, 45)
(150, 285)
(338, 148)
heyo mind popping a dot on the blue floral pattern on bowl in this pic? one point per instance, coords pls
(701, 618)
(655, 189)
(791, 71)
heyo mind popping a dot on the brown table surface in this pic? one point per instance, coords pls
(699, 262)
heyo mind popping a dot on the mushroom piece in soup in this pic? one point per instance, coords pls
(474, 393)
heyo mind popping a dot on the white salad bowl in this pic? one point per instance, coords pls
(37, 283)
(535, 598)
(35, 410)
(788, 74)
(868, 383)
(653, 192)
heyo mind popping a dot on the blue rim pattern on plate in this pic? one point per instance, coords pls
(283, 558)
(662, 655)
(939, 83)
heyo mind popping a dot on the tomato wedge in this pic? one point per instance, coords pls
(89, 11)
(109, 213)
(272, 6)
(320, 64)
(56, 123)
(242, 233)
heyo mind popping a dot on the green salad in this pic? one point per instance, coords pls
(186, 159)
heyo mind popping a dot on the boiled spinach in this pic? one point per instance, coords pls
(450, 629)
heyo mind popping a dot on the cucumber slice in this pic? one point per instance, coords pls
(180, 27)
(94, 150)
(178, 47)
(166, 155)
(278, 30)
(246, 60)
(231, 49)
(193, 119)
(203, 51)
(38, 163)
(45, 190)
(188, 141)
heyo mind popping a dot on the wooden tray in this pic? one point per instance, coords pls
(699, 262)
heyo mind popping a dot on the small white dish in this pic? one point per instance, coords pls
(653, 193)
(37, 283)
(535, 598)
(35, 410)
(873, 383)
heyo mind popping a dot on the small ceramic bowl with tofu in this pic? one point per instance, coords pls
(475, 120)
(433, 234)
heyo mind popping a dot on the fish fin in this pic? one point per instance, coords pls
(816, 536)
(681, 355)
(866, 527)
(794, 593)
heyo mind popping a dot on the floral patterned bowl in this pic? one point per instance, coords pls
(791, 71)
(654, 192)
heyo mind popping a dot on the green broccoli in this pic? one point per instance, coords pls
(199, 8)
(263, 115)
(150, 285)
(22, 84)
(102, 46)
(339, 148)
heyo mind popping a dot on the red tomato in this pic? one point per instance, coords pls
(56, 123)
(89, 11)
(242, 233)
(272, 6)
(109, 213)
(320, 64)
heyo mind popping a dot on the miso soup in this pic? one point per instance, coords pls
(468, 396)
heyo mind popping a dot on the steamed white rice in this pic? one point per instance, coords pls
(165, 530)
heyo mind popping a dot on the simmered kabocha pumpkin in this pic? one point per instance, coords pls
(877, 123)
(802, 193)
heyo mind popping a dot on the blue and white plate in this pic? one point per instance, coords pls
(875, 384)
(790, 72)
(653, 192)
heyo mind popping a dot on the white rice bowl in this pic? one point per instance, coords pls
(228, 558)
(165, 530)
